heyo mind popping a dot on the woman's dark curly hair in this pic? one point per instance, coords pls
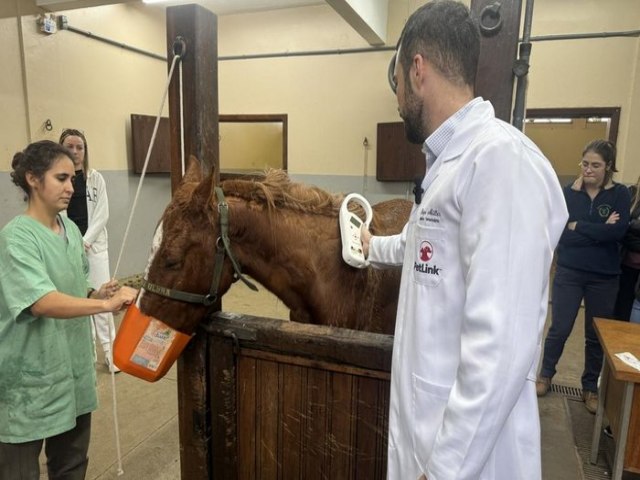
(37, 158)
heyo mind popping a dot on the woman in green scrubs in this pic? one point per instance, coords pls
(47, 377)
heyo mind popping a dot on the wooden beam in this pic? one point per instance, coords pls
(197, 28)
(498, 52)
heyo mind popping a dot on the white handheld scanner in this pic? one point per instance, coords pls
(350, 225)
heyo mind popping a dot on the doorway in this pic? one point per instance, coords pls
(562, 133)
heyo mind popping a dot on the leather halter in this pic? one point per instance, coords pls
(223, 246)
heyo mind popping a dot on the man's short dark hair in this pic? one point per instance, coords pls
(444, 33)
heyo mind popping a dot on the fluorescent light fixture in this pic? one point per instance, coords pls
(549, 120)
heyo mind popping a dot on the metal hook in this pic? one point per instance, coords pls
(180, 47)
(48, 126)
(491, 11)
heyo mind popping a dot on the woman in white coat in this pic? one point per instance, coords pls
(475, 259)
(89, 209)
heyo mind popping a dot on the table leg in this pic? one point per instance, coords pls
(597, 429)
(623, 430)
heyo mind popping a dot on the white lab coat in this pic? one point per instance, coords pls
(97, 211)
(475, 259)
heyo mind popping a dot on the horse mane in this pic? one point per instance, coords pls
(276, 190)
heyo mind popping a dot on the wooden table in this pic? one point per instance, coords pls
(616, 396)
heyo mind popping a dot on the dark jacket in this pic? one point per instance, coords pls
(631, 240)
(594, 246)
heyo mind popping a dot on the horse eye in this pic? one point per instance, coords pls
(172, 263)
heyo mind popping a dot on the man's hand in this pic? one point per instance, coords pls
(365, 238)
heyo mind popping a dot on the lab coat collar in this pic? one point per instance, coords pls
(477, 118)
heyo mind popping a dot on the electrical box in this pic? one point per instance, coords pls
(48, 23)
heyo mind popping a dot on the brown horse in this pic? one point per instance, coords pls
(283, 234)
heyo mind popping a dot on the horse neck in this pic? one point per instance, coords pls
(277, 250)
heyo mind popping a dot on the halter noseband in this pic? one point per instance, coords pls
(223, 246)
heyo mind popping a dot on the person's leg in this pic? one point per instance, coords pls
(67, 453)
(626, 292)
(20, 461)
(635, 312)
(566, 295)
(599, 301)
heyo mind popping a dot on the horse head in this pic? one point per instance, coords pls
(178, 284)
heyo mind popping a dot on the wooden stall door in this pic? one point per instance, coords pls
(288, 401)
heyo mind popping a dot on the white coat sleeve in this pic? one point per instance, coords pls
(512, 216)
(98, 219)
(389, 250)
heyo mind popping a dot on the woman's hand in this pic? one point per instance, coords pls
(121, 298)
(108, 289)
(613, 218)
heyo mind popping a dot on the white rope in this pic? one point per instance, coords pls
(126, 235)
(146, 162)
(181, 120)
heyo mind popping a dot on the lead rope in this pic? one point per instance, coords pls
(126, 235)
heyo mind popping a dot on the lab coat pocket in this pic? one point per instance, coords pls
(428, 256)
(429, 403)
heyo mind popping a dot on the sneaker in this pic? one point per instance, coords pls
(543, 384)
(111, 367)
(590, 401)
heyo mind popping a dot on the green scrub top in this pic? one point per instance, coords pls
(47, 372)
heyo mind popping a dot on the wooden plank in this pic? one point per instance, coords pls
(341, 426)
(293, 359)
(247, 401)
(315, 451)
(193, 410)
(351, 347)
(632, 453)
(370, 432)
(494, 77)
(268, 419)
(222, 382)
(290, 393)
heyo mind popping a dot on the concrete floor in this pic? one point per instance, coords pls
(148, 425)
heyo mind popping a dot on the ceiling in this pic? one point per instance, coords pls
(368, 18)
(228, 7)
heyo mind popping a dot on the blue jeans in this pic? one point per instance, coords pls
(570, 287)
(635, 312)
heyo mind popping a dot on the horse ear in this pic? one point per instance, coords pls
(194, 171)
(204, 191)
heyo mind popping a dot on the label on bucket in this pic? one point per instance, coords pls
(153, 345)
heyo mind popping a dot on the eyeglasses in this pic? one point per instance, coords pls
(592, 166)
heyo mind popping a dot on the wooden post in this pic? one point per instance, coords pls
(498, 50)
(197, 28)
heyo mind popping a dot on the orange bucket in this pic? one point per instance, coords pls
(145, 347)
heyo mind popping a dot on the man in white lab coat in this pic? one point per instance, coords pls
(475, 259)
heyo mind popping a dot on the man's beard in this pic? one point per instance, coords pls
(413, 119)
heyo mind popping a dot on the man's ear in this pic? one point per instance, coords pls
(417, 71)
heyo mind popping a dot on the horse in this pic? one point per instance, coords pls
(284, 235)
